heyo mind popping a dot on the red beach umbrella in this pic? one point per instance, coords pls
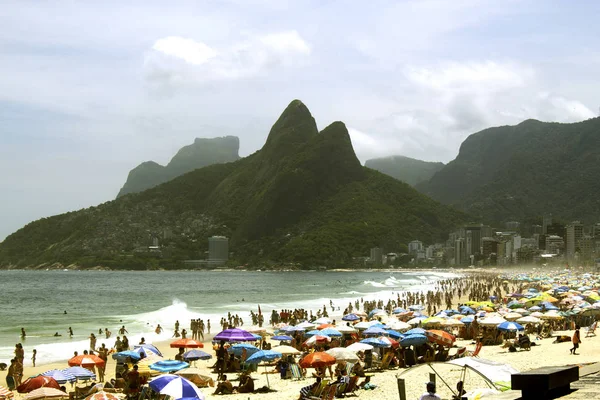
(186, 343)
(37, 382)
(317, 360)
(440, 337)
(86, 360)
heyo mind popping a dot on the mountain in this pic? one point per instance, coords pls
(527, 170)
(406, 169)
(201, 153)
(303, 198)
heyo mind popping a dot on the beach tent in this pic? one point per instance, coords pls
(497, 373)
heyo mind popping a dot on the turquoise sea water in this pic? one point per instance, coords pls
(36, 300)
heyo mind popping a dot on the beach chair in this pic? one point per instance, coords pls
(385, 362)
(296, 372)
(460, 352)
(591, 330)
(475, 353)
(349, 367)
(318, 391)
(329, 392)
(350, 387)
(525, 343)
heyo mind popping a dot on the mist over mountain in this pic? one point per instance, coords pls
(527, 170)
(201, 153)
(406, 169)
(303, 198)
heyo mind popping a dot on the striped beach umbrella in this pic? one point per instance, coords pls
(102, 395)
(45, 393)
(37, 382)
(60, 376)
(80, 373)
(86, 360)
(440, 337)
(187, 343)
(176, 386)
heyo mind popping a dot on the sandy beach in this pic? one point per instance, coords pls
(543, 353)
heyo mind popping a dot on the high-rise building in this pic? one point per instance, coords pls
(546, 221)
(554, 244)
(596, 230)
(460, 254)
(376, 255)
(489, 246)
(218, 248)
(414, 247)
(474, 244)
(574, 235)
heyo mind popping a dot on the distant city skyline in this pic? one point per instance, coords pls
(90, 90)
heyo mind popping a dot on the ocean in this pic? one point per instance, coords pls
(139, 300)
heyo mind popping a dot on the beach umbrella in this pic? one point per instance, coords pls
(317, 359)
(350, 317)
(416, 307)
(127, 354)
(536, 314)
(431, 321)
(514, 304)
(512, 316)
(5, 393)
(323, 326)
(399, 325)
(147, 348)
(80, 373)
(467, 320)
(322, 320)
(37, 382)
(393, 343)
(375, 311)
(193, 355)
(529, 320)
(413, 340)
(168, 365)
(356, 347)
(440, 337)
(86, 360)
(45, 393)
(197, 376)
(451, 322)
(186, 344)
(286, 350)
(415, 320)
(317, 339)
(345, 329)
(102, 395)
(492, 321)
(394, 334)
(312, 333)
(343, 354)
(374, 331)
(234, 335)
(398, 310)
(238, 349)
(510, 327)
(60, 376)
(546, 305)
(309, 325)
(418, 331)
(176, 386)
(331, 332)
(465, 310)
(282, 337)
(291, 329)
(264, 355)
(375, 342)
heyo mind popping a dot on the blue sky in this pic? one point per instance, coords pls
(88, 90)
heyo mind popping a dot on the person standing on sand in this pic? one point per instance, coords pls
(576, 340)
(92, 341)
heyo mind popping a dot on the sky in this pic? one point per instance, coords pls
(88, 90)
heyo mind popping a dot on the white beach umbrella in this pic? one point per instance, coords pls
(529, 320)
(451, 322)
(511, 316)
(399, 326)
(323, 320)
(285, 349)
(307, 325)
(492, 321)
(345, 329)
(343, 354)
(356, 347)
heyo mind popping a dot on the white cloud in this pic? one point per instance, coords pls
(187, 49)
(186, 61)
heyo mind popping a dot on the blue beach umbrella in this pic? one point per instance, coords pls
(60, 376)
(548, 306)
(416, 307)
(237, 349)
(195, 354)
(282, 337)
(168, 365)
(350, 317)
(257, 337)
(177, 387)
(417, 331)
(375, 311)
(510, 327)
(331, 332)
(264, 355)
(124, 355)
(465, 310)
(535, 308)
(398, 310)
(147, 348)
(312, 333)
(413, 340)
(375, 342)
(80, 373)
(467, 320)
(394, 334)
(375, 331)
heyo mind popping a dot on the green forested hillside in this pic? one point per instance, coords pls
(527, 170)
(304, 198)
(201, 153)
(405, 169)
